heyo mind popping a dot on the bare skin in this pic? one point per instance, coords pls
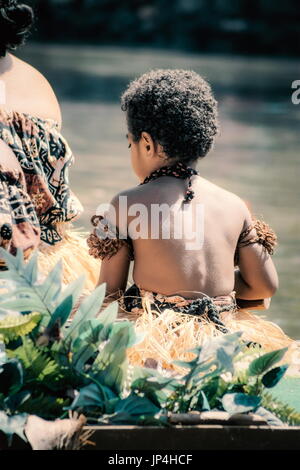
(166, 266)
(26, 91)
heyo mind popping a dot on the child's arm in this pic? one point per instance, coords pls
(113, 246)
(256, 276)
(114, 271)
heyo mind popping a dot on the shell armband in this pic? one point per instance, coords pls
(105, 241)
(264, 236)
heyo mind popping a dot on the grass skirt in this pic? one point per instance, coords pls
(74, 253)
(170, 334)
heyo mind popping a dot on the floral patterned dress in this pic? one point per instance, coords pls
(36, 203)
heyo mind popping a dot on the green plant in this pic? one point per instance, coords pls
(49, 365)
(48, 362)
(284, 412)
(205, 387)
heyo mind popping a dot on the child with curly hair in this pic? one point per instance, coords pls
(195, 246)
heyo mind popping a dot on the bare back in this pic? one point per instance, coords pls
(181, 265)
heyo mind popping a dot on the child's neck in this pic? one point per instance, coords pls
(169, 163)
(176, 170)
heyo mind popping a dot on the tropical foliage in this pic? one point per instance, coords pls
(50, 364)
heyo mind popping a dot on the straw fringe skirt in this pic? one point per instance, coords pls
(170, 334)
(74, 253)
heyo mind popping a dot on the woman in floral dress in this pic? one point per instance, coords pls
(36, 203)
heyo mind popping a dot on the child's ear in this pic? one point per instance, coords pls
(148, 144)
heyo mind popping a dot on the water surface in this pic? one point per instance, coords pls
(256, 155)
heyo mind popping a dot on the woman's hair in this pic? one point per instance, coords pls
(178, 110)
(15, 22)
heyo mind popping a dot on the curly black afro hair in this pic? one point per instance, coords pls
(178, 110)
(15, 23)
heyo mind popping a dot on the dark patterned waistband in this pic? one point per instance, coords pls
(211, 307)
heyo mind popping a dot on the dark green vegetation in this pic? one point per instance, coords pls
(243, 26)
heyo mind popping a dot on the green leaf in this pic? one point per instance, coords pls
(12, 276)
(91, 333)
(136, 406)
(13, 263)
(22, 291)
(205, 404)
(82, 356)
(114, 374)
(44, 406)
(87, 310)
(31, 269)
(62, 312)
(109, 314)
(152, 374)
(110, 405)
(11, 377)
(133, 337)
(20, 260)
(88, 332)
(26, 295)
(150, 384)
(13, 326)
(201, 368)
(90, 396)
(271, 378)
(24, 304)
(51, 287)
(36, 363)
(265, 362)
(74, 290)
(224, 348)
(154, 388)
(110, 366)
(240, 402)
(14, 402)
(210, 388)
(13, 425)
(115, 347)
(95, 396)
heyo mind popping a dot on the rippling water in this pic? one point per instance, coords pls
(256, 155)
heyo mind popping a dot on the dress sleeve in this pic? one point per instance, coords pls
(19, 226)
(257, 232)
(45, 158)
(105, 240)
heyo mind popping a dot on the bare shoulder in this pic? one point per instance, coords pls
(137, 194)
(228, 203)
(30, 83)
(229, 197)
